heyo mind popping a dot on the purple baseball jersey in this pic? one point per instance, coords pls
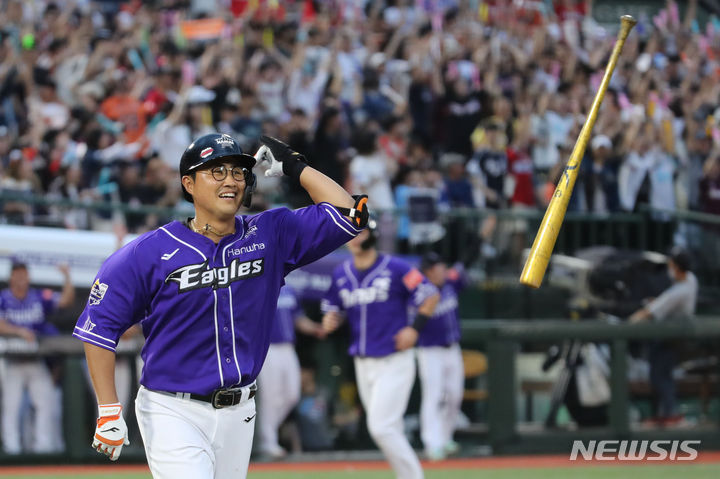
(206, 309)
(30, 312)
(376, 302)
(288, 310)
(443, 328)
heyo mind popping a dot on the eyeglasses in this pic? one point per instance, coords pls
(220, 172)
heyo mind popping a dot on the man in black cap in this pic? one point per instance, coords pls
(676, 302)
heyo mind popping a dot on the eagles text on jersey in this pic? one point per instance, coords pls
(194, 276)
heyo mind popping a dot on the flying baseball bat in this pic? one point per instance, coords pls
(537, 261)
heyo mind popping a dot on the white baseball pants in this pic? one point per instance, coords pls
(385, 385)
(442, 378)
(34, 376)
(278, 393)
(189, 439)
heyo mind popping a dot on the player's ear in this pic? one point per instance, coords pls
(188, 182)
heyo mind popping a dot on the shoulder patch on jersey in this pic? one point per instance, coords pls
(97, 292)
(412, 279)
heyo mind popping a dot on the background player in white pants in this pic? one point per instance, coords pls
(440, 363)
(279, 379)
(375, 291)
(22, 314)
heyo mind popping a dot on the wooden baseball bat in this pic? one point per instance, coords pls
(537, 261)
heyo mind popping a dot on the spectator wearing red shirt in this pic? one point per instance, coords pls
(520, 167)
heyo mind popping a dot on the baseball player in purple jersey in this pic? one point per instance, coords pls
(375, 292)
(440, 363)
(205, 292)
(22, 314)
(279, 380)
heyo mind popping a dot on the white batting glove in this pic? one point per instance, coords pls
(111, 433)
(274, 167)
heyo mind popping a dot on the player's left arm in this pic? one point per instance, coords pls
(67, 297)
(284, 160)
(323, 189)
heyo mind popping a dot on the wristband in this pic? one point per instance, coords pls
(294, 168)
(359, 213)
(113, 409)
(420, 321)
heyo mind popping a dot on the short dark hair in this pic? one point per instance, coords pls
(365, 141)
(429, 260)
(16, 265)
(680, 257)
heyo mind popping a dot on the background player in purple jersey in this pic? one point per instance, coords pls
(23, 312)
(375, 292)
(205, 292)
(279, 380)
(440, 363)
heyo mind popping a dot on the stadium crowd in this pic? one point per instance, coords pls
(478, 101)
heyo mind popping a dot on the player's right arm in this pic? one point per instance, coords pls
(101, 364)
(118, 298)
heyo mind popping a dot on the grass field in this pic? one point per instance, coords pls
(638, 471)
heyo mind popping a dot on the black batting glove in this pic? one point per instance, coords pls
(292, 162)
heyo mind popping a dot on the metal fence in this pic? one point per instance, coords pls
(484, 236)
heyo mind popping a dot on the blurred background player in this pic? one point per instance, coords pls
(279, 379)
(23, 312)
(440, 363)
(675, 303)
(375, 291)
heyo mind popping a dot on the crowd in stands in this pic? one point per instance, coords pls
(479, 102)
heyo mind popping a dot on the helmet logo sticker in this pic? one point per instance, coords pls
(206, 152)
(225, 140)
